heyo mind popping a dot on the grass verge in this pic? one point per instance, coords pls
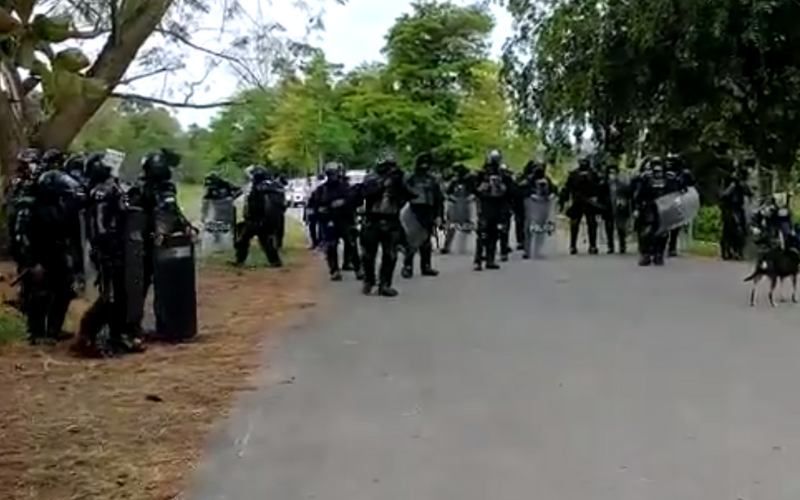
(707, 249)
(130, 428)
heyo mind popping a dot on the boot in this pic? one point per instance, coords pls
(407, 272)
(593, 251)
(387, 291)
(477, 266)
(645, 260)
(429, 271)
(336, 276)
(366, 288)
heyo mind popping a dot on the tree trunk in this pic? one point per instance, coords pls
(117, 54)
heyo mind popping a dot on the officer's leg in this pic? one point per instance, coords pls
(621, 226)
(575, 216)
(673, 236)
(480, 244)
(408, 259)
(62, 295)
(591, 229)
(347, 252)
(492, 239)
(39, 299)
(659, 248)
(449, 236)
(331, 242)
(369, 244)
(268, 239)
(389, 241)
(504, 236)
(519, 227)
(92, 322)
(643, 240)
(608, 224)
(426, 259)
(280, 231)
(243, 242)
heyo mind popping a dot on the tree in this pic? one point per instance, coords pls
(41, 53)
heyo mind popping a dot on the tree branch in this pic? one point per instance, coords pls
(171, 104)
(148, 74)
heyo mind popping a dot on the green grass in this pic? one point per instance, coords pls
(704, 248)
(190, 197)
(12, 325)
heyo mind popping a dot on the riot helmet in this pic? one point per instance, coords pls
(157, 166)
(460, 170)
(28, 161)
(212, 179)
(584, 163)
(52, 159)
(386, 162)
(95, 167)
(55, 183)
(424, 162)
(259, 174)
(656, 165)
(333, 171)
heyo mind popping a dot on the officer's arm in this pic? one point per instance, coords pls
(565, 193)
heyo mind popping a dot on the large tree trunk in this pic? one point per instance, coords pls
(139, 18)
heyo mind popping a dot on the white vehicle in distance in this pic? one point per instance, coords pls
(297, 192)
(356, 176)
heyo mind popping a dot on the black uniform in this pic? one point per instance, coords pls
(732, 199)
(46, 256)
(311, 219)
(264, 211)
(651, 184)
(428, 207)
(583, 190)
(108, 217)
(536, 182)
(617, 207)
(523, 182)
(333, 203)
(494, 193)
(383, 193)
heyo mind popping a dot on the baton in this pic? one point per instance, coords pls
(19, 278)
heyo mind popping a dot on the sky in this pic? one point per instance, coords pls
(354, 33)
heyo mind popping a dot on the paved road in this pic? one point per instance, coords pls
(572, 379)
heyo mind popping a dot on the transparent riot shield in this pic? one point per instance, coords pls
(416, 234)
(459, 219)
(540, 225)
(218, 226)
(677, 209)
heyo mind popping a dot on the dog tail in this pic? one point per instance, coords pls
(752, 276)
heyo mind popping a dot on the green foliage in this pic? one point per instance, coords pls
(684, 75)
(708, 224)
(437, 91)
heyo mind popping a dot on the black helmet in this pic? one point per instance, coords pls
(259, 173)
(584, 163)
(28, 160)
(386, 159)
(54, 183)
(333, 169)
(52, 158)
(95, 167)
(211, 179)
(425, 160)
(157, 166)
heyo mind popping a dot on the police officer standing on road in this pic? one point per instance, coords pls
(334, 206)
(651, 184)
(383, 193)
(428, 207)
(264, 207)
(494, 194)
(583, 190)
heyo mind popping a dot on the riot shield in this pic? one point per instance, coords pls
(86, 274)
(174, 280)
(677, 209)
(539, 223)
(459, 211)
(416, 234)
(132, 295)
(218, 226)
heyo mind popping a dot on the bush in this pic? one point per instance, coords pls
(12, 325)
(708, 224)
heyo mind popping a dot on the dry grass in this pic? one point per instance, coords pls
(130, 428)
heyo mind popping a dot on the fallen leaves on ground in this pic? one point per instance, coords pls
(130, 428)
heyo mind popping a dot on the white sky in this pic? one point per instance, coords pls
(354, 33)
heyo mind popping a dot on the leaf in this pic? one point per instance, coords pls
(53, 29)
(72, 60)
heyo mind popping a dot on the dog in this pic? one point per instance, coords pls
(776, 264)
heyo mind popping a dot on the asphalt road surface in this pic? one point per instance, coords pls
(576, 378)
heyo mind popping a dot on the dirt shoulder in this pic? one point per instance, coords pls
(130, 428)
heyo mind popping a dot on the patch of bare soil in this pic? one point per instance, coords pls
(130, 428)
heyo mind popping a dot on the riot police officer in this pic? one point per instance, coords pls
(110, 220)
(218, 188)
(383, 193)
(45, 257)
(523, 183)
(583, 190)
(264, 209)
(616, 208)
(334, 202)
(514, 200)
(494, 194)
(651, 184)
(427, 206)
(536, 190)
(733, 198)
(52, 159)
(311, 220)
